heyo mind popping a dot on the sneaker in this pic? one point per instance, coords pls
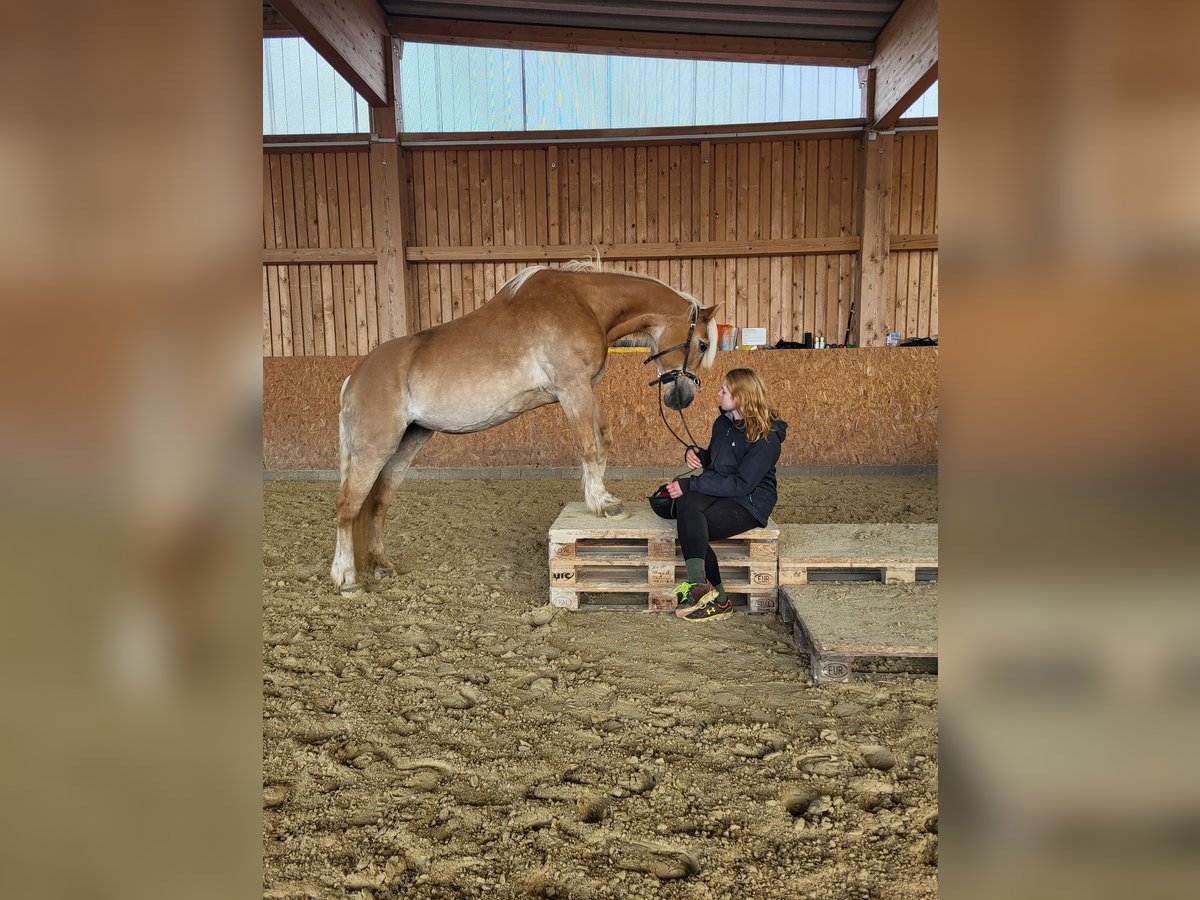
(711, 610)
(688, 596)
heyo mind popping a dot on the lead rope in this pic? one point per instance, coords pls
(687, 350)
(662, 415)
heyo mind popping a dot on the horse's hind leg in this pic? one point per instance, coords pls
(358, 483)
(385, 490)
(586, 420)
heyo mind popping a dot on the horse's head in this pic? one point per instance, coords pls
(686, 341)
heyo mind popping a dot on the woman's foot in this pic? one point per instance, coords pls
(713, 609)
(688, 596)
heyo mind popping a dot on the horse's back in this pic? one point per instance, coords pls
(513, 354)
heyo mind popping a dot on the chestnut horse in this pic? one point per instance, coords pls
(542, 339)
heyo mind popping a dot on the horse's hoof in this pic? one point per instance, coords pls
(617, 511)
(351, 590)
(382, 572)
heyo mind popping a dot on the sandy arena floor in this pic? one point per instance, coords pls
(447, 734)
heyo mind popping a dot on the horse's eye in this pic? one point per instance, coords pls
(704, 346)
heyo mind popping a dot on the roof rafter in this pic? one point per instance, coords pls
(906, 61)
(275, 25)
(626, 43)
(352, 36)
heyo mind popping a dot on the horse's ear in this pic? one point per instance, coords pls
(708, 312)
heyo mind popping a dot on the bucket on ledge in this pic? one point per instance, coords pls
(726, 337)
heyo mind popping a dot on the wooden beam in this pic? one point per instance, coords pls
(397, 50)
(822, 129)
(864, 145)
(906, 60)
(866, 84)
(275, 25)
(288, 143)
(660, 250)
(387, 199)
(350, 35)
(874, 301)
(631, 43)
(913, 242)
(316, 255)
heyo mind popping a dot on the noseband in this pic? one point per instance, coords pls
(674, 375)
(686, 346)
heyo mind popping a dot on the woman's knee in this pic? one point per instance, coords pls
(690, 502)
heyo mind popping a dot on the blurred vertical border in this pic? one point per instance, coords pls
(130, 485)
(1070, 265)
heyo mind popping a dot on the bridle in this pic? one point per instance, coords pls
(686, 346)
(674, 375)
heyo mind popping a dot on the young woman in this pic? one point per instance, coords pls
(734, 493)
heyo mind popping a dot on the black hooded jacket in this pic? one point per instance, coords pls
(735, 467)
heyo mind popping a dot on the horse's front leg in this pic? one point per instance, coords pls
(587, 424)
(603, 442)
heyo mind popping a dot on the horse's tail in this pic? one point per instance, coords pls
(343, 437)
(362, 520)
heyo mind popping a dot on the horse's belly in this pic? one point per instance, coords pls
(464, 412)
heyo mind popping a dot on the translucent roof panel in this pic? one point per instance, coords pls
(302, 94)
(925, 106)
(449, 88)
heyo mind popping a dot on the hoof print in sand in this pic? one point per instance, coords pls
(661, 862)
(276, 795)
(543, 615)
(593, 808)
(461, 699)
(532, 820)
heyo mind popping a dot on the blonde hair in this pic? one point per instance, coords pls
(752, 404)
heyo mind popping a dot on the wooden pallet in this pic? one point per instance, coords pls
(836, 624)
(589, 555)
(893, 554)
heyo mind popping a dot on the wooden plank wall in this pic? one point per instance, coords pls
(768, 226)
(912, 264)
(687, 213)
(318, 199)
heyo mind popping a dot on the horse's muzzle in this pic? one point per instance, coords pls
(679, 394)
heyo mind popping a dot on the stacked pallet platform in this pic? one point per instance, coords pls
(856, 591)
(592, 557)
(836, 624)
(893, 554)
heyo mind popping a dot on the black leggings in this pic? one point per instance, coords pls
(701, 519)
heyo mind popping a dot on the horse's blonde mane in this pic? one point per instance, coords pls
(595, 265)
(514, 283)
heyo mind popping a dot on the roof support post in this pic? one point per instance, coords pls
(389, 200)
(874, 303)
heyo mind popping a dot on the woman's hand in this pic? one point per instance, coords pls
(692, 458)
(674, 490)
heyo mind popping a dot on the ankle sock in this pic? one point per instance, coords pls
(721, 598)
(695, 570)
